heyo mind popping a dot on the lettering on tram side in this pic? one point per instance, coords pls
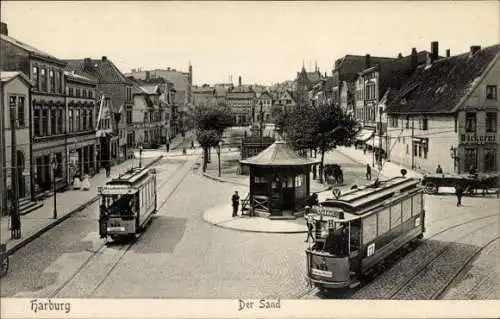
(259, 304)
(49, 306)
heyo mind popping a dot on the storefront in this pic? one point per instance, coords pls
(479, 151)
(363, 136)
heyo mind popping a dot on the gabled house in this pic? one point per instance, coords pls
(146, 116)
(264, 104)
(447, 114)
(372, 85)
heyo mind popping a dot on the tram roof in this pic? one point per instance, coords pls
(360, 201)
(130, 177)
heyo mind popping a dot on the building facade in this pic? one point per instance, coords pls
(15, 97)
(204, 96)
(241, 101)
(146, 116)
(266, 100)
(447, 114)
(47, 107)
(112, 84)
(82, 146)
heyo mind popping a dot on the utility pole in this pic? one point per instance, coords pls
(380, 138)
(15, 218)
(412, 148)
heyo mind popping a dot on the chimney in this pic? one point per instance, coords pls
(239, 81)
(3, 29)
(400, 56)
(367, 61)
(168, 68)
(474, 49)
(87, 64)
(104, 58)
(414, 58)
(434, 51)
(447, 53)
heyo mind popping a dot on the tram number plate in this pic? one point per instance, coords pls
(323, 273)
(116, 228)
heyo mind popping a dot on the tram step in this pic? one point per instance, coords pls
(354, 284)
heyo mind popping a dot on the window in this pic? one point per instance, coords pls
(70, 92)
(394, 121)
(91, 94)
(407, 122)
(16, 103)
(129, 93)
(61, 82)
(70, 120)
(490, 160)
(491, 92)
(369, 228)
(36, 120)
(34, 77)
(422, 123)
(77, 118)
(52, 81)
(456, 124)
(60, 118)
(470, 158)
(395, 216)
(91, 119)
(406, 209)
(57, 82)
(53, 123)
(470, 122)
(77, 92)
(417, 204)
(491, 122)
(43, 79)
(415, 149)
(384, 220)
(45, 122)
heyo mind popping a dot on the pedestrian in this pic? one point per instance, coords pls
(309, 230)
(312, 200)
(364, 149)
(459, 191)
(368, 172)
(439, 170)
(192, 144)
(103, 216)
(108, 169)
(235, 199)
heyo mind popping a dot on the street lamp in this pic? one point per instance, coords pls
(140, 155)
(54, 167)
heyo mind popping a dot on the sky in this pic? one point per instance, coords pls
(263, 42)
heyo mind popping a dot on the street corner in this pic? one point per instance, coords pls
(220, 216)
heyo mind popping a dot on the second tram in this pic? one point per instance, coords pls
(128, 203)
(355, 233)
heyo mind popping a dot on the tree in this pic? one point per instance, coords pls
(322, 127)
(211, 123)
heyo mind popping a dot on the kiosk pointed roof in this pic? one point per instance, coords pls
(278, 154)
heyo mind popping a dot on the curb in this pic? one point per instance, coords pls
(56, 222)
(222, 180)
(251, 230)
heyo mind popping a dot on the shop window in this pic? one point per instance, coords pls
(470, 158)
(491, 122)
(490, 160)
(491, 92)
(470, 122)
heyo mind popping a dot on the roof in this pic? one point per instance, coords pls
(350, 65)
(78, 77)
(278, 154)
(150, 88)
(7, 76)
(396, 72)
(240, 95)
(440, 87)
(31, 49)
(265, 95)
(102, 70)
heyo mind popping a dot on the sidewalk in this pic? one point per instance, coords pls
(69, 202)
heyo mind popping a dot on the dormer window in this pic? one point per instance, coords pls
(491, 92)
(403, 100)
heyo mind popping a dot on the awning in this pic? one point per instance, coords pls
(364, 135)
(420, 140)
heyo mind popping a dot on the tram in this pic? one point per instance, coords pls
(128, 203)
(354, 234)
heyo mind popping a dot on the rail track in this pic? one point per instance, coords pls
(422, 267)
(122, 250)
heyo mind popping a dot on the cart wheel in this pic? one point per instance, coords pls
(430, 188)
(4, 267)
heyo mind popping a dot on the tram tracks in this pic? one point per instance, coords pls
(120, 253)
(418, 270)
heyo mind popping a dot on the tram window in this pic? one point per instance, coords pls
(417, 204)
(384, 219)
(369, 228)
(395, 216)
(406, 209)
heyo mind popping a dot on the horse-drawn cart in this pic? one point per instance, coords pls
(487, 183)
